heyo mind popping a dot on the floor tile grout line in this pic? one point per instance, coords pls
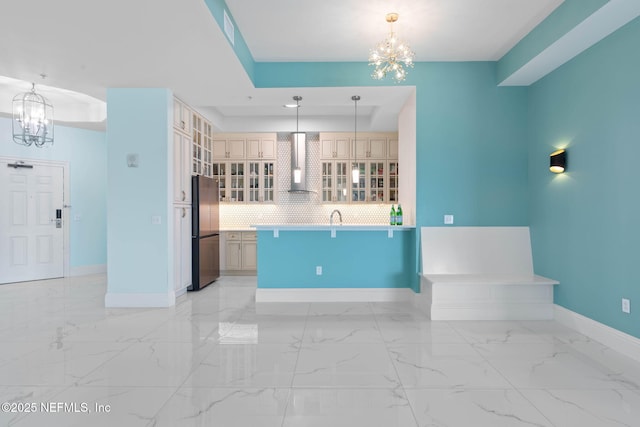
(514, 387)
(295, 368)
(188, 374)
(395, 368)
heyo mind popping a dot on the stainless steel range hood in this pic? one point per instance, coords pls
(299, 160)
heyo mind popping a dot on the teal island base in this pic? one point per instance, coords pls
(310, 263)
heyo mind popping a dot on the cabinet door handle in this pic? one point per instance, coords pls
(182, 124)
(184, 195)
(184, 212)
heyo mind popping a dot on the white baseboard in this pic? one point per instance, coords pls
(492, 311)
(122, 300)
(333, 294)
(87, 270)
(612, 338)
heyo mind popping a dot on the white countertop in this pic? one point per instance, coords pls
(345, 227)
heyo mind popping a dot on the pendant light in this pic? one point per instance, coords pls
(297, 172)
(32, 119)
(355, 171)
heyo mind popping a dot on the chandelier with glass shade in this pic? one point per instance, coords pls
(32, 119)
(391, 56)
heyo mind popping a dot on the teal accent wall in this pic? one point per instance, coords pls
(217, 8)
(584, 223)
(353, 259)
(562, 20)
(140, 122)
(85, 151)
(316, 74)
(471, 150)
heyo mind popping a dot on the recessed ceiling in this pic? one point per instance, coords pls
(339, 30)
(87, 46)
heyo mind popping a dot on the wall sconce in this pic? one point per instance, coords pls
(558, 161)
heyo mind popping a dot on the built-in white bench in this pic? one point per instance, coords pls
(481, 273)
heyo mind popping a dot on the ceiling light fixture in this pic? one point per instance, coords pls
(297, 172)
(32, 119)
(355, 171)
(389, 55)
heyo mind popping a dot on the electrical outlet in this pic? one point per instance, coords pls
(626, 305)
(448, 219)
(319, 270)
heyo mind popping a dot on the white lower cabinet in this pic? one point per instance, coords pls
(182, 248)
(249, 255)
(234, 255)
(240, 252)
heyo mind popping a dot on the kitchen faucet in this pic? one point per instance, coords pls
(331, 216)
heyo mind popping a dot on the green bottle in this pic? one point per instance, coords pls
(392, 216)
(399, 215)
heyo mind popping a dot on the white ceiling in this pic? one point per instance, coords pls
(345, 30)
(89, 46)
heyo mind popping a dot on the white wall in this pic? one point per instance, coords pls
(407, 159)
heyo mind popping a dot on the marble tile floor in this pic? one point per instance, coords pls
(218, 359)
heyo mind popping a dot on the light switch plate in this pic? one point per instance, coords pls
(626, 305)
(448, 219)
(156, 220)
(319, 270)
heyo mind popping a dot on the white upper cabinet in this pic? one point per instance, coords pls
(261, 146)
(393, 148)
(377, 148)
(181, 116)
(334, 146)
(228, 147)
(370, 147)
(374, 153)
(181, 168)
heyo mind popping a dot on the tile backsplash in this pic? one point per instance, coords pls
(294, 208)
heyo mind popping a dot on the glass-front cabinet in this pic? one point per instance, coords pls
(245, 166)
(261, 181)
(359, 188)
(376, 157)
(219, 172)
(236, 181)
(201, 146)
(393, 182)
(377, 181)
(335, 181)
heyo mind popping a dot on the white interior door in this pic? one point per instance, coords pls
(31, 238)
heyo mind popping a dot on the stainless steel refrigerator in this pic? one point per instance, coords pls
(205, 238)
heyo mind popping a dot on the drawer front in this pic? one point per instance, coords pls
(233, 235)
(249, 235)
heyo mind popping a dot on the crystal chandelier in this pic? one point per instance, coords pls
(32, 119)
(389, 55)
